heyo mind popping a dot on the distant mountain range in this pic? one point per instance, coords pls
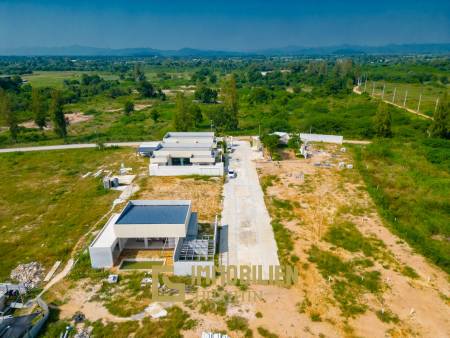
(403, 49)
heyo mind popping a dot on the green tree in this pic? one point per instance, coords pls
(383, 121)
(440, 127)
(196, 113)
(205, 94)
(7, 113)
(146, 89)
(270, 142)
(138, 73)
(38, 108)
(182, 118)
(155, 115)
(57, 113)
(128, 107)
(231, 101)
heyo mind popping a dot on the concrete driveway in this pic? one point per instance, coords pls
(249, 239)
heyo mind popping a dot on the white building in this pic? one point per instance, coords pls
(187, 153)
(154, 225)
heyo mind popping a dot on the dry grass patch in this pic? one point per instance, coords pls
(204, 192)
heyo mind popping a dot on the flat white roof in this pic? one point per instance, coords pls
(188, 134)
(152, 144)
(107, 236)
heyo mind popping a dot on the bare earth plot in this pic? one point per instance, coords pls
(357, 279)
(250, 235)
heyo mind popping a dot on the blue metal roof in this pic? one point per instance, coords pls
(153, 214)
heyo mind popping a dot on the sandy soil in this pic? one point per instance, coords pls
(417, 302)
(204, 194)
(72, 118)
(78, 300)
(321, 194)
(141, 106)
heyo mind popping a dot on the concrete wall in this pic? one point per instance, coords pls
(321, 138)
(184, 268)
(101, 257)
(205, 170)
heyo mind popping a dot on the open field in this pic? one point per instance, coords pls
(410, 182)
(429, 94)
(45, 204)
(55, 79)
(351, 265)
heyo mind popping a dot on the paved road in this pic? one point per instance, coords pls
(68, 146)
(250, 236)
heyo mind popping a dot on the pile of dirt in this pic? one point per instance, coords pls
(30, 274)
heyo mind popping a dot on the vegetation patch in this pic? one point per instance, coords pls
(410, 184)
(45, 204)
(140, 265)
(266, 333)
(237, 323)
(349, 280)
(346, 235)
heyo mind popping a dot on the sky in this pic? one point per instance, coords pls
(242, 25)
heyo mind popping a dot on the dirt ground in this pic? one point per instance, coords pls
(72, 118)
(205, 193)
(321, 193)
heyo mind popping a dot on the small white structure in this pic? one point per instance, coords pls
(284, 137)
(304, 137)
(187, 153)
(154, 225)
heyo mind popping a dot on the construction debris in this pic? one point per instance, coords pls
(78, 317)
(155, 310)
(98, 173)
(83, 333)
(112, 279)
(30, 275)
(52, 271)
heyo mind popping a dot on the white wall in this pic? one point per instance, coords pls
(184, 268)
(101, 257)
(206, 170)
(321, 138)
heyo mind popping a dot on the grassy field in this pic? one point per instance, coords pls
(429, 94)
(410, 182)
(55, 79)
(45, 205)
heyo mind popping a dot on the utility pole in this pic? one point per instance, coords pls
(437, 103)
(404, 101)
(365, 84)
(211, 125)
(418, 106)
(382, 94)
(393, 96)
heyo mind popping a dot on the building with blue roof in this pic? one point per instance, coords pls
(159, 225)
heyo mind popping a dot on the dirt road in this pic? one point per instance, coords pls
(250, 239)
(356, 90)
